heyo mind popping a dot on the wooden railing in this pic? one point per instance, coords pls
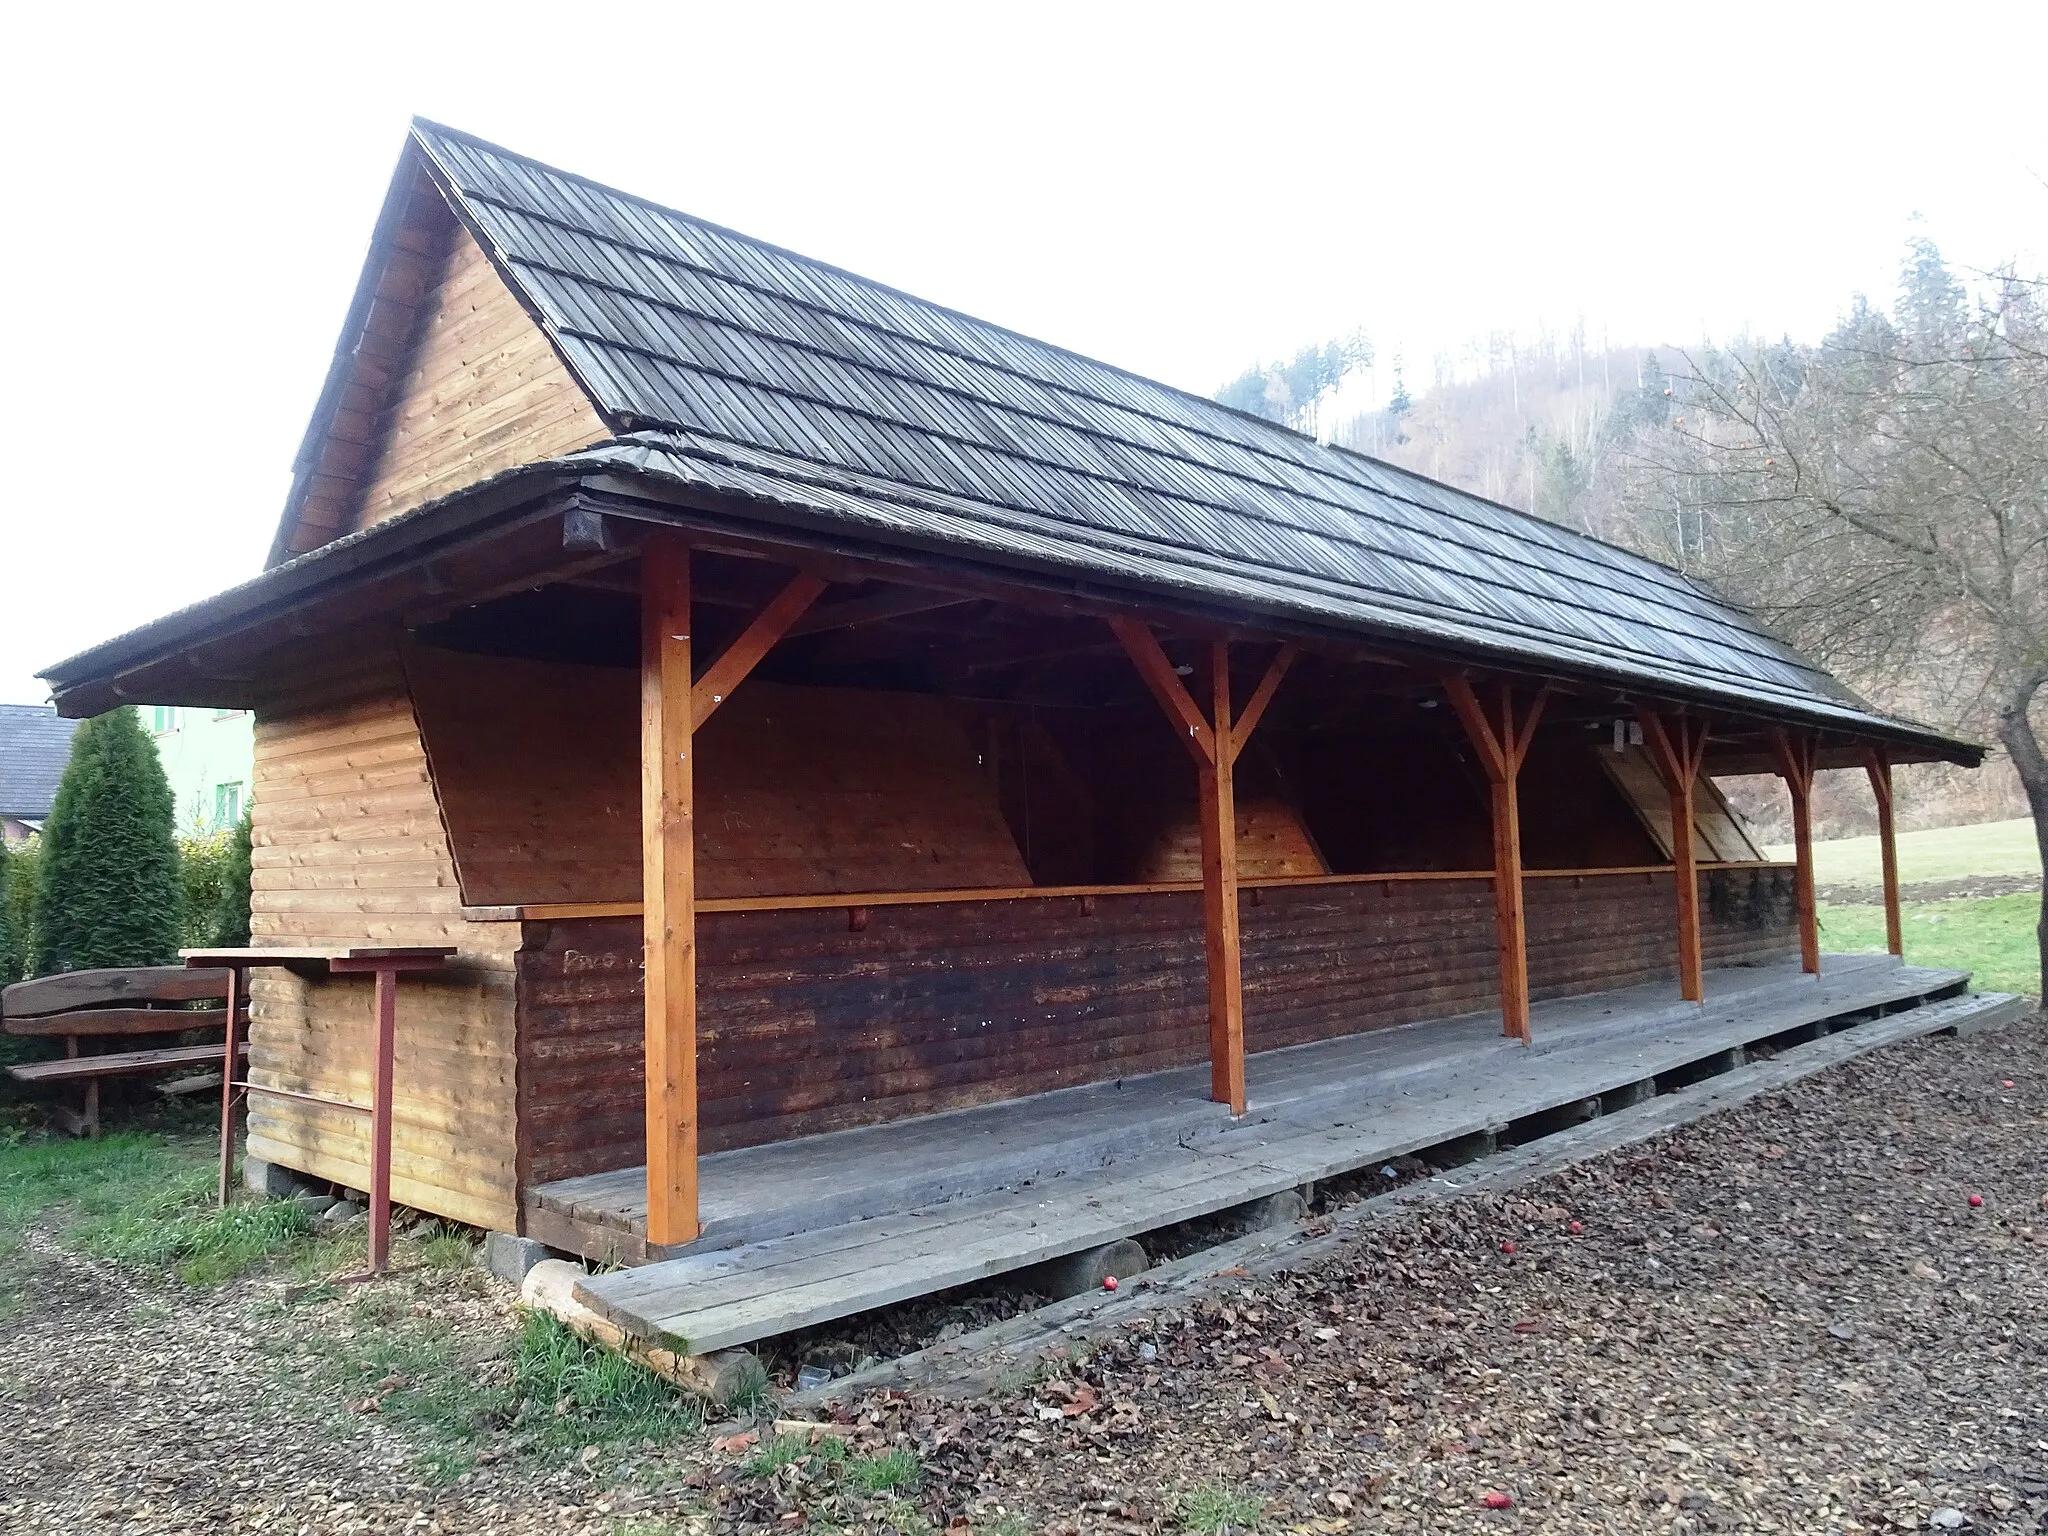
(556, 910)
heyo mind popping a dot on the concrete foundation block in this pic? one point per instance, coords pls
(1462, 1150)
(273, 1181)
(512, 1258)
(1079, 1273)
(1285, 1209)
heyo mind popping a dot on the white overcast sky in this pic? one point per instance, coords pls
(1180, 190)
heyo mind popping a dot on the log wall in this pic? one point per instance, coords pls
(808, 1024)
(348, 848)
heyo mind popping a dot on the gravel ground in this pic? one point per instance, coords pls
(1787, 1317)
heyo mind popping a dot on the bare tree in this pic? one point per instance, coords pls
(1883, 498)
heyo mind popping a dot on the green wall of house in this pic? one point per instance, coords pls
(208, 755)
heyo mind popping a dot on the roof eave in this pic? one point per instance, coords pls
(495, 505)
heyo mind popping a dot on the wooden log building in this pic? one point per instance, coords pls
(807, 708)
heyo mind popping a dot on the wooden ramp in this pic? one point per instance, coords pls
(921, 1206)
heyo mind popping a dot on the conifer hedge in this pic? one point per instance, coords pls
(110, 891)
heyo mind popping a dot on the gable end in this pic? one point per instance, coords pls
(449, 381)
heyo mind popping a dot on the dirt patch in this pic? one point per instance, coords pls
(1963, 888)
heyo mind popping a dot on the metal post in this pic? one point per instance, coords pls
(380, 1121)
(231, 1055)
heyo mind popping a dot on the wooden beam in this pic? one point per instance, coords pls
(1276, 669)
(1878, 764)
(669, 887)
(895, 603)
(1676, 752)
(1167, 688)
(1503, 744)
(1216, 782)
(1219, 899)
(1795, 758)
(754, 642)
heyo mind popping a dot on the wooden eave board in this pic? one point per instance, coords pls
(715, 1299)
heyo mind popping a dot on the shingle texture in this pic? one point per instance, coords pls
(34, 747)
(765, 374)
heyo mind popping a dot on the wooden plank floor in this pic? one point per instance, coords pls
(833, 1225)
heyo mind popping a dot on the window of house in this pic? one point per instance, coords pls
(227, 804)
(165, 719)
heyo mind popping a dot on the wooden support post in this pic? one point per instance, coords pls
(230, 1069)
(1878, 764)
(1677, 749)
(380, 1120)
(669, 889)
(1503, 744)
(1795, 754)
(1219, 899)
(673, 704)
(1214, 743)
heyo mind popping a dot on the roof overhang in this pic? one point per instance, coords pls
(545, 522)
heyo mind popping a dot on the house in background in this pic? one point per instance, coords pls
(35, 744)
(208, 755)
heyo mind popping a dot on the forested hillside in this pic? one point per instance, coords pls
(1879, 496)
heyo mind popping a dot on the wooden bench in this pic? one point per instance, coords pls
(111, 1006)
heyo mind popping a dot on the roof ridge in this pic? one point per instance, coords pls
(870, 282)
(1527, 526)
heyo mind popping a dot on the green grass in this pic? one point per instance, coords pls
(888, 1472)
(1939, 853)
(783, 1450)
(182, 1229)
(1992, 937)
(548, 1393)
(1213, 1509)
(138, 1199)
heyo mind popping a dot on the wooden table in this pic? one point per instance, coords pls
(382, 961)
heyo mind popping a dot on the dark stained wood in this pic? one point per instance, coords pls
(1794, 752)
(806, 1025)
(115, 1064)
(669, 865)
(1676, 748)
(102, 1022)
(1879, 767)
(102, 988)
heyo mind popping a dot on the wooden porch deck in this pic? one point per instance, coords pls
(802, 1232)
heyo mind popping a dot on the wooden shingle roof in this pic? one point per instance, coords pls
(726, 365)
(750, 368)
